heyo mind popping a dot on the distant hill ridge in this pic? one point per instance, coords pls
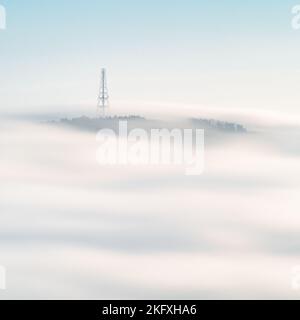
(135, 121)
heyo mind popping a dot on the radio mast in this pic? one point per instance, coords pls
(103, 98)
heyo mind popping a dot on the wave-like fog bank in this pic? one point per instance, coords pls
(70, 228)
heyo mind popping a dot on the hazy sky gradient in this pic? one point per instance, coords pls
(225, 54)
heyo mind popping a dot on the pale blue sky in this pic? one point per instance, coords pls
(223, 53)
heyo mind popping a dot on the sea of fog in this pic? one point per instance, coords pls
(72, 229)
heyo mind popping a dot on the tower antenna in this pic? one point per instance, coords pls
(103, 98)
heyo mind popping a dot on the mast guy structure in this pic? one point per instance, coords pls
(103, 98)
